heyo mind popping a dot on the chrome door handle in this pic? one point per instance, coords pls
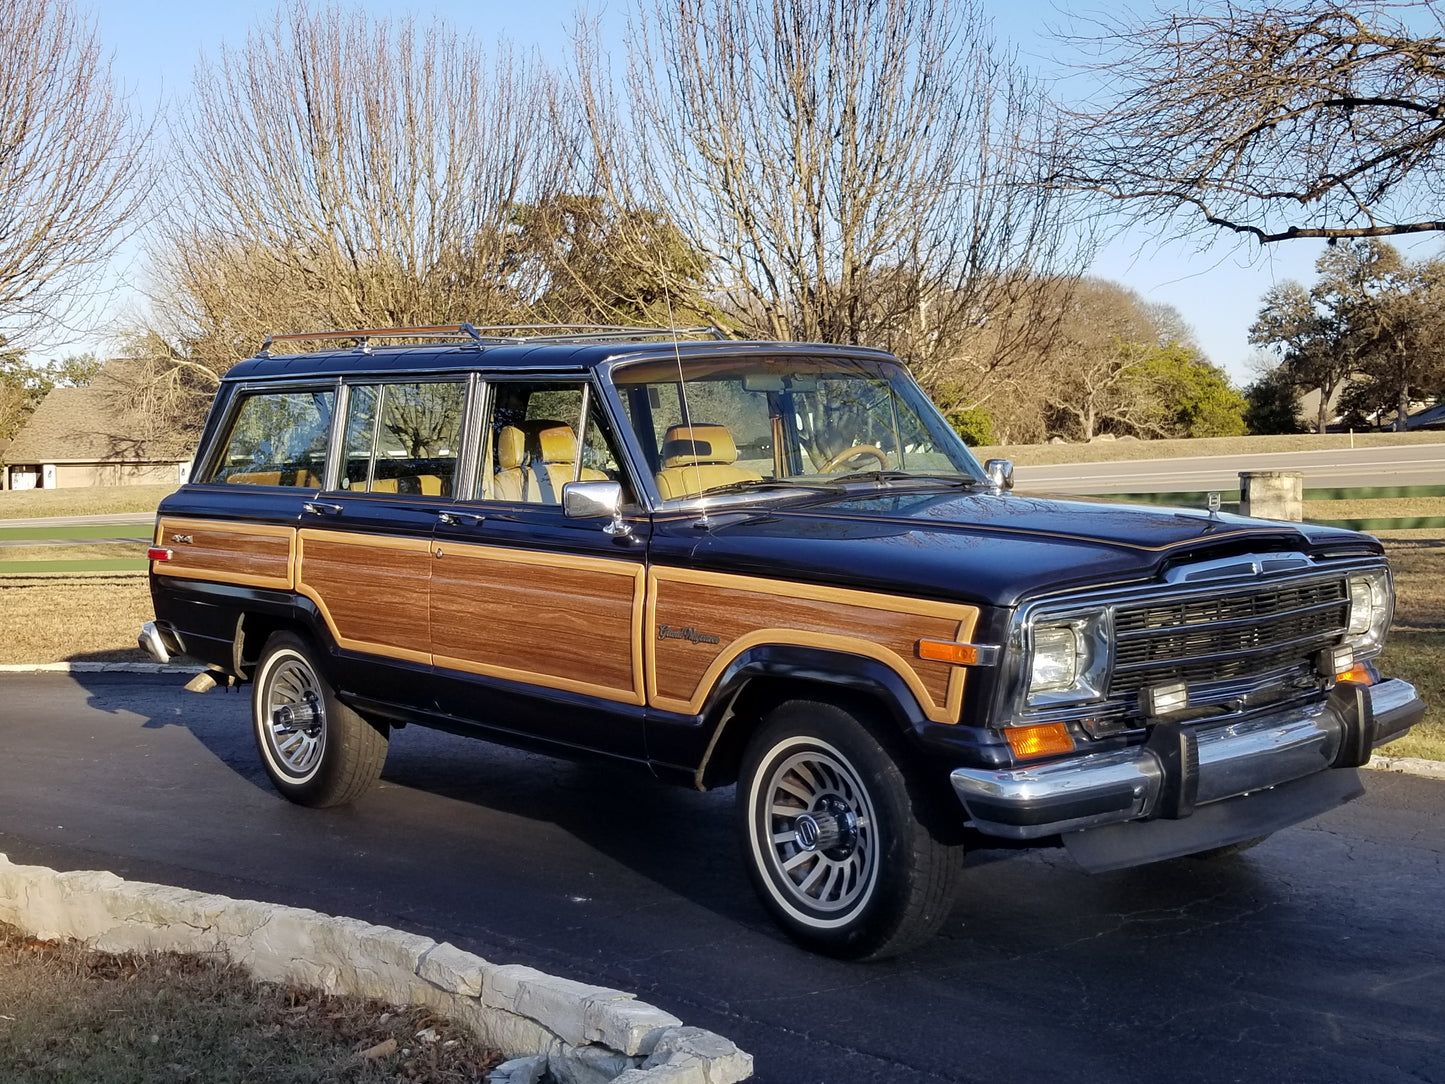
(459, 519)
(320, 508)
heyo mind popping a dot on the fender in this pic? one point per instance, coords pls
(705, 747)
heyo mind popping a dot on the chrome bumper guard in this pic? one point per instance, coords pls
(1145, 782)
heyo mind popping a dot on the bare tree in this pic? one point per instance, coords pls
(343, 172)
(859, 172)
(70, 157)
(1285, 119)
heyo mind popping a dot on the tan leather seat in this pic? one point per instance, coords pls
(698, 458)
(510, 482)
(536, 460)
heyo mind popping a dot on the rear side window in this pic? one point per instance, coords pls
(277, 439)
(403, 438)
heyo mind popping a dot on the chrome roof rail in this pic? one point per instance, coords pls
(503, 334)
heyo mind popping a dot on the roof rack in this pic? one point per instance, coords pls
(502, 334)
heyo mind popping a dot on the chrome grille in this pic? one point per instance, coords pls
(1235, 636)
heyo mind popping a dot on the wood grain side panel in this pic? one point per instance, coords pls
(564, 622)
(254, 555)
(372, 590)
(741, 613)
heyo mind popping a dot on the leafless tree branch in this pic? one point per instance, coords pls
(71, 151)
(1278, 120)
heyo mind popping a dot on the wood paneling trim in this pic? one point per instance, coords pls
(630, 689)
(375, 624)
(743, 612)
(223, 551)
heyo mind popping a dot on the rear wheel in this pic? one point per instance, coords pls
(317, 751)
(832, 832)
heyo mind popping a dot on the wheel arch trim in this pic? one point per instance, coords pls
(809, 670)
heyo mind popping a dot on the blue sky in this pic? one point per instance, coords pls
(1217, 289)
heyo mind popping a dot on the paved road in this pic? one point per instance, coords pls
(1406, 465)
(1318, 957)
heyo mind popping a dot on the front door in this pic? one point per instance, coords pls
(525, 600)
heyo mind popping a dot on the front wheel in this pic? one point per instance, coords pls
(833, 837)
(317, 751)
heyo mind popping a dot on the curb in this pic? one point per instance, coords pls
(577, 1033)
(1427, 769)
(96, 668)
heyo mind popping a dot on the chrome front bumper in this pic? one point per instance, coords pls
(1218, 763)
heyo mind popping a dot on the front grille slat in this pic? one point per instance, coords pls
(1237, 637)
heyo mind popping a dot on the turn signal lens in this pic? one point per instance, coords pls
(947, 651)
(158, 553)
(1039, 741)
(1359, 674)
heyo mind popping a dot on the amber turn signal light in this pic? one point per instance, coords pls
(1042, 740)
(1359, 674)
(948, 651)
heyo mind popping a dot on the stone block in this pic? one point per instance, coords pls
(449, 968)
(717, 1059)
(625, 1024)
(586, 1064)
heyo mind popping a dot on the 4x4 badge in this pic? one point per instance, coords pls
(177, 539)
(667, 632)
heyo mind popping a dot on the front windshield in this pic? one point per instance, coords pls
(743, 423)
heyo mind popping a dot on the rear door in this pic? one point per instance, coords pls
(364, 550)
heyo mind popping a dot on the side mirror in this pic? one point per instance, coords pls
(1000, 472)
(589, 500)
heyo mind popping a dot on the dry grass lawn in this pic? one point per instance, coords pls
(1388, 508)
(80, 501)
(52, 618)
(72, 1016)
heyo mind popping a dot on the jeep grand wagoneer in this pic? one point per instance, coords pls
(770, 565)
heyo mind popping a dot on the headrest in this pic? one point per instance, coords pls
(555, 442)
(511, 448)
(689, 446)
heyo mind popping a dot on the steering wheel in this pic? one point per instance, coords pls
(853, 453)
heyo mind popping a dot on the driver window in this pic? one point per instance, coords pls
(537, 440)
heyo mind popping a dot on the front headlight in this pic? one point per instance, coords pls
(1372, 605)
(1068, 659)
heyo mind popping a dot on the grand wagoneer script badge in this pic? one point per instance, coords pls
(667, 632)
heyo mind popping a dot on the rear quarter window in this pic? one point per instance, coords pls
(276, 439)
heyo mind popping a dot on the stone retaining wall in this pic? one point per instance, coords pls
(579, 1034)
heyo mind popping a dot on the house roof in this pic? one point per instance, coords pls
(96, 423)
(1428, 418)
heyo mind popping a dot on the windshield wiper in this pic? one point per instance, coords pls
(768, 484)
(883, 476)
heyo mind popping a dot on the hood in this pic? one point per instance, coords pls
(986, 547)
